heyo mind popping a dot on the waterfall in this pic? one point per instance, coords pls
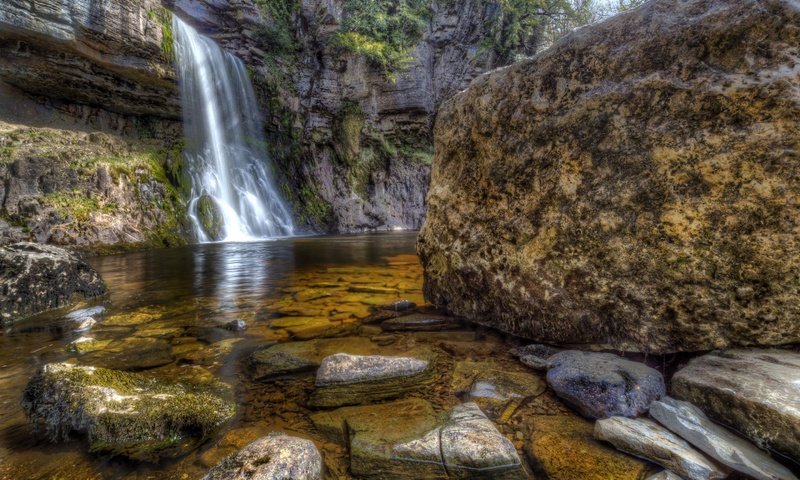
(233, 196)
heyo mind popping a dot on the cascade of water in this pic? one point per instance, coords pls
(233, 196)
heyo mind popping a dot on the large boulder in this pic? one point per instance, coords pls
(634, 186)
(755, 392)
(276, 456)
(35, 278)
(125, 413)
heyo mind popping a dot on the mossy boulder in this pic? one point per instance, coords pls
(210, 217)
(125, 413)
(643, 195)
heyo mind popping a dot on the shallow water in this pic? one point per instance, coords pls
(171, 305)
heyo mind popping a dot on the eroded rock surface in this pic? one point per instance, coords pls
(601, 385)
(581, 201)
(170, 419)
(756, 392)
(276, 456)
(35, 278)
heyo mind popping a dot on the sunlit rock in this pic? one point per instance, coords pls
(601, 385)
(646, 439)
(125, 413)
(291, 358)
(276, 456)
(755, 392)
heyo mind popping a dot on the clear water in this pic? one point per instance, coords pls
(225, 147)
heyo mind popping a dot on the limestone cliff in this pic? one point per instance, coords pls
(634, 186)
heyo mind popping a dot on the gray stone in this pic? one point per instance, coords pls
(236, 325)
(601, 385)
(646, 439)
(274, 457)
(96, 311)
(755, 392)
(399, 306)
(84, 324)
(419, 322)
(293, 358)
(35, 278)
(665, 475)
(691, 423)
(535, 356)
(344, 379)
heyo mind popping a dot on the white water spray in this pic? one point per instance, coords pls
(233, 195)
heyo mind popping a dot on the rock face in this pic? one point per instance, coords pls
(344, 379)
(171, 419)
(756, 392)
(601, 385)
(640, 200)
(114, 55)
(691, 423)
(646, 439)
(276, 456)
(35, 278)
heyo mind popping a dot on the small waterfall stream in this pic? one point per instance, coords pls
(233, 196)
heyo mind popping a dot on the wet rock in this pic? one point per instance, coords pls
(363, 430)
(665, 475)
(35, 278)
(399, 306)
(169, 420)
(562, 447)
(293, 358)
(84, 344)
(306, 328)
(497, 392)
(96, 311)
(372, 289)
(236, 325)
(691, 423)
(210, 217)
(420, 322)
(646, 439)
(132, 354)
(755, 392)
(601, 385)
(579, 202)
(535, 356)
(344, 379)
(276, 456)
(84, 324)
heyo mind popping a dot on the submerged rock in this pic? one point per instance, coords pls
(691, 423)
(601, 385)
(535, 356)
(293, 358)
(646, 439)
(755, 392)
(562, 448)
(344, 379)
(236, 325)
(419, 322)
(274, 457)
(132, 353)
(35, 278)
(125, 413)
(399, 306)
(579, 202)
(497, 392)
(84, 324)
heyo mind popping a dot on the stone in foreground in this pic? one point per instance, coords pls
(292, 358)
(646, 439)
(344, 379)
(274, 457)
(581, 202)
(755, 392)
(689, 422)
(562, 448)
(498, 392)
(35, 278)
(125, 413)
(601, 385)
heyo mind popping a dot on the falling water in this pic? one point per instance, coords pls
(233, 195)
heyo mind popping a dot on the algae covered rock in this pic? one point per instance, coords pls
(276, 456)
(125, 413)
(210, 217)
(634, 186)
(35, 278)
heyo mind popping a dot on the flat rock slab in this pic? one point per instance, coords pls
(601, 385)
(536, 356)
(399, 306)
(562, 447)
(364, 431)
(131, 354)
(755, 392)
(276, 456)
(499, 393)
(344, 379)
(170, 419)
(307, 328)
(419, 322)
(647, 439)
(293, 358)
(691, 423)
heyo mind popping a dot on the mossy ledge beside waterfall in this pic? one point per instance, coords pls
(233, 196)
